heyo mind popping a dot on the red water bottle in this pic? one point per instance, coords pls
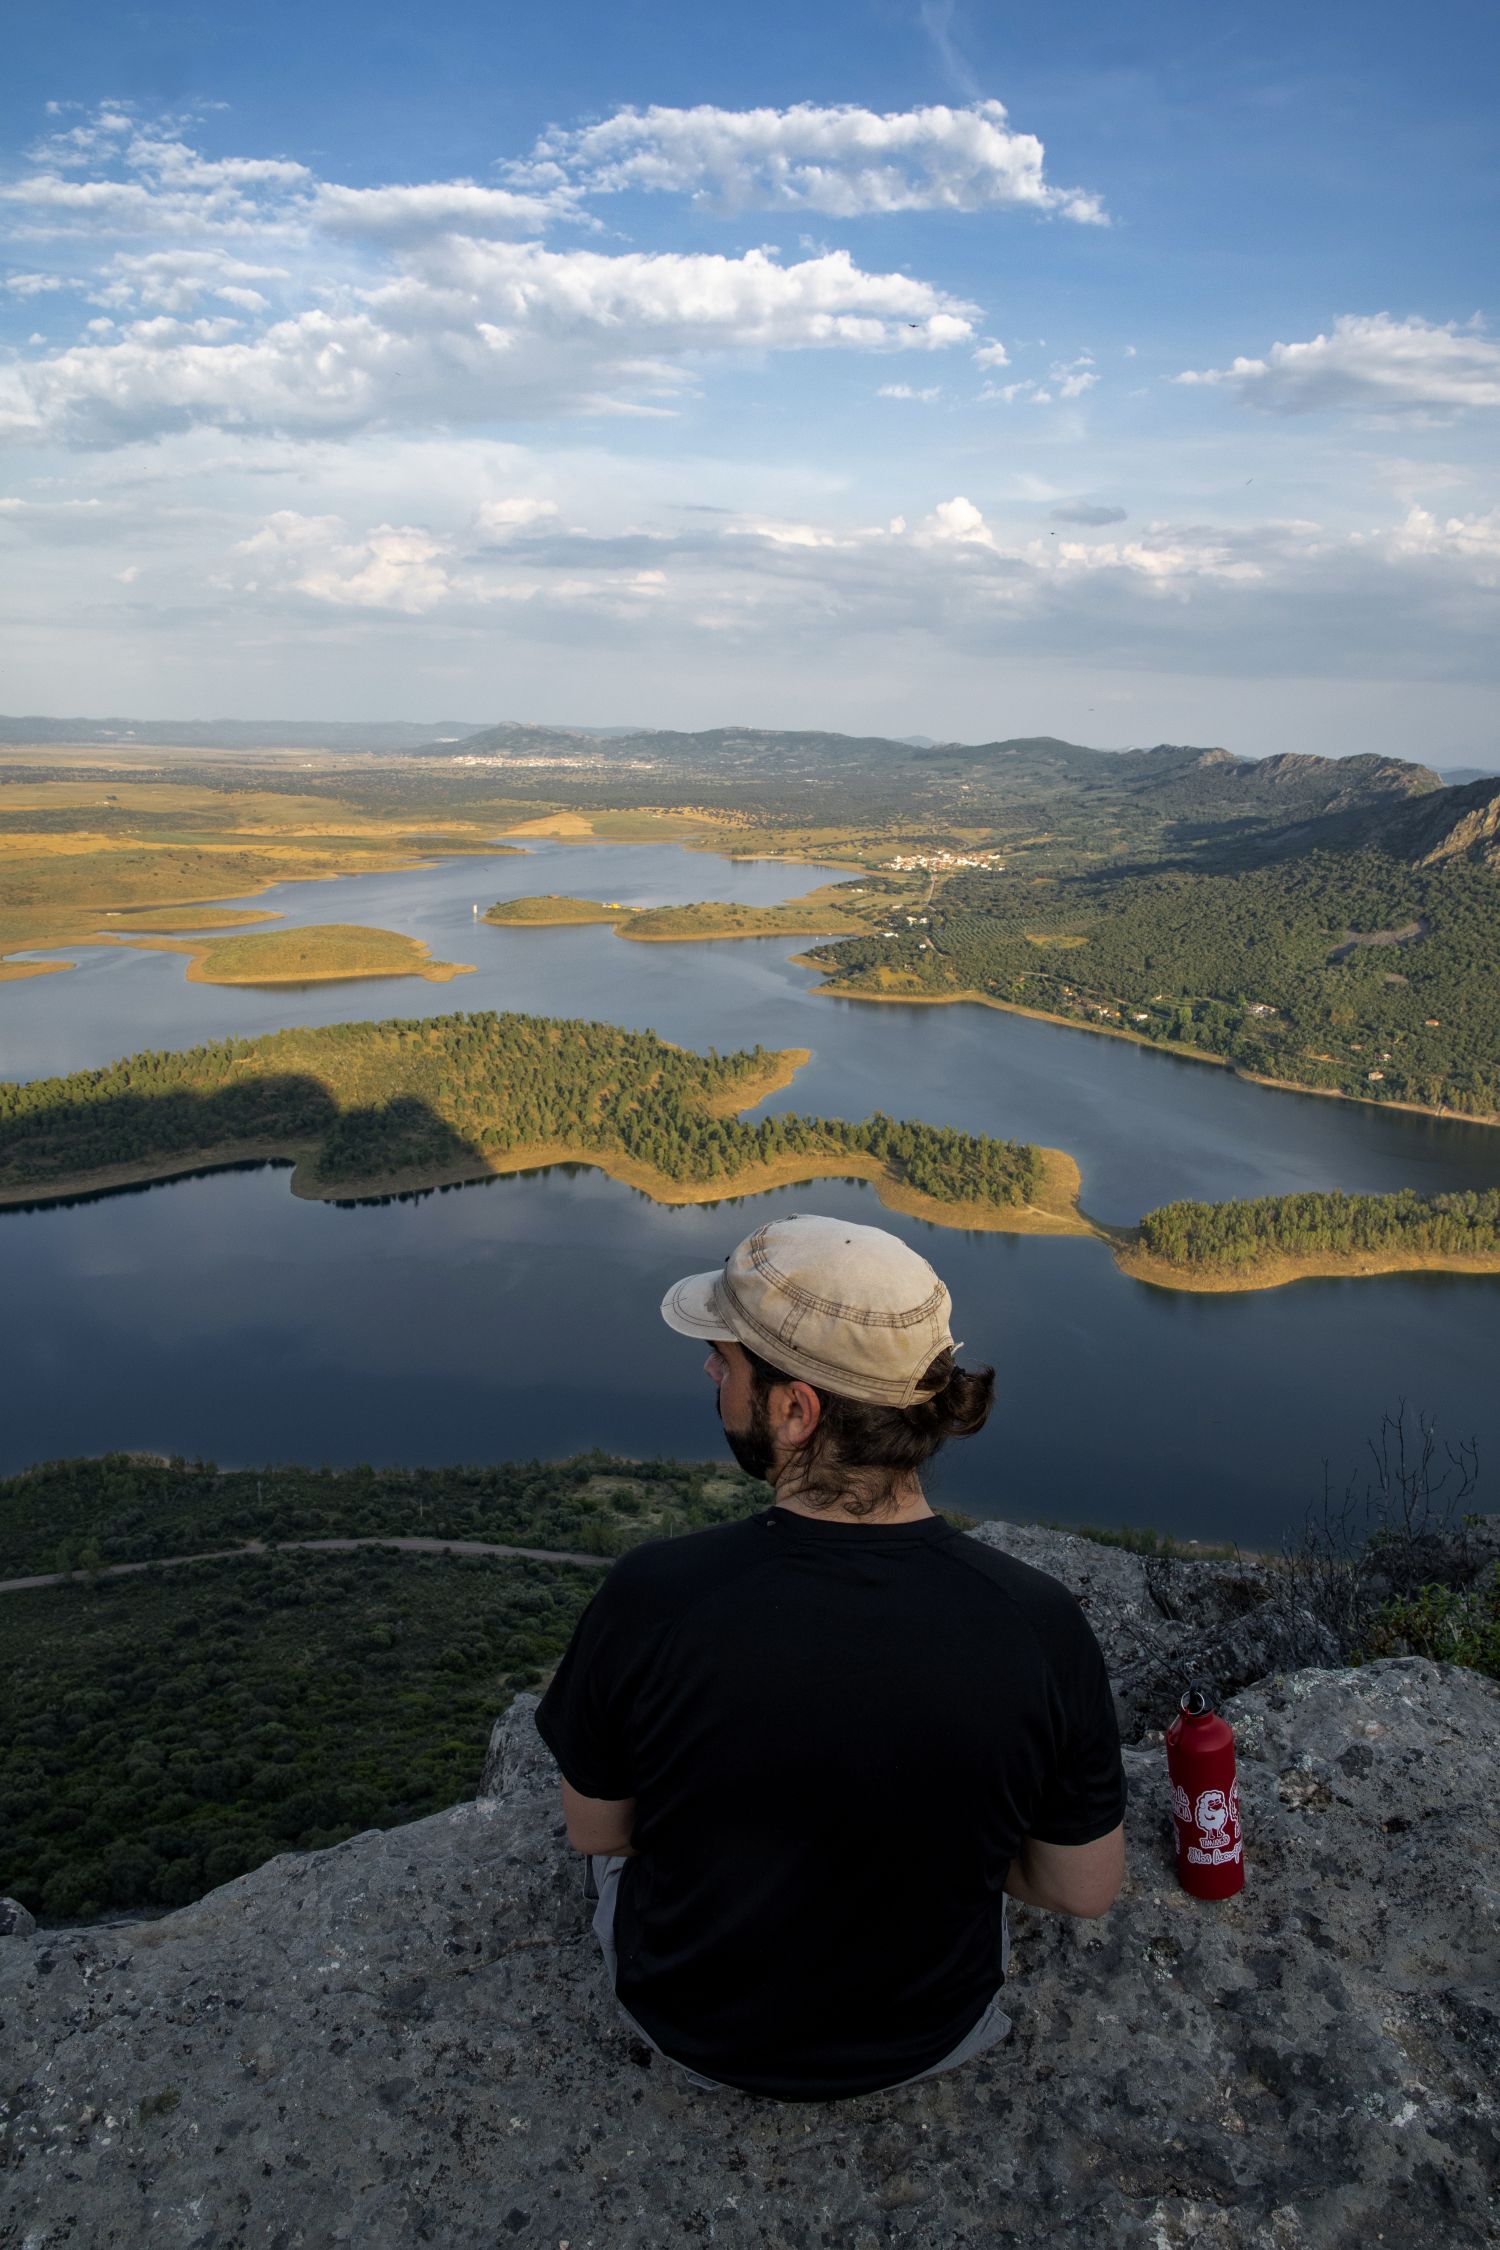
(1205, 1800)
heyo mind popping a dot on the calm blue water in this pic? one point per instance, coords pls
(221, 1316)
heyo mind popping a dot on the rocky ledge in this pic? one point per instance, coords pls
(408, 2039)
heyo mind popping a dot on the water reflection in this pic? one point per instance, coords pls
(219, 1315)
(222, 1316)
(1145, 1127)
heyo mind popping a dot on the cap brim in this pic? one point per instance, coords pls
(694, 1308)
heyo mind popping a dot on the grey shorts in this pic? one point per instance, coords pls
(992, 2027)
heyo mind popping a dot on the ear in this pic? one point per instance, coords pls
(801, 1413)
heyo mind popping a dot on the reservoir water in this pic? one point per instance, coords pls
(220, 1316)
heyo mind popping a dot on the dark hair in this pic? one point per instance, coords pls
(858, 1450)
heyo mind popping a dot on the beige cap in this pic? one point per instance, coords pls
(846, 1307)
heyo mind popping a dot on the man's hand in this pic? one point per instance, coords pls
(1078, 1879)
(598, 1824)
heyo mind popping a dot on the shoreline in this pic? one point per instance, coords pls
(409, 861)
(572, 827)
(828, 990)
(1049, 1216)
(1279, 1270)
(428, 970)
(1055, 1213)
(814, 915)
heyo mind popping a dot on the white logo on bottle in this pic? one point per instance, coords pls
(1217, 1817)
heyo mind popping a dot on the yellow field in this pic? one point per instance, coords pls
(74, 856)
(325, 954)
(553, 912)
(830, 911)
(835, 910)
(162, 921)
(611, 827)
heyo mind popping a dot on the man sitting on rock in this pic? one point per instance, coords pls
(810, 1753)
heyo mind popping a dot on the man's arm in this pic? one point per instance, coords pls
(598, 1824)
(1078, 1879)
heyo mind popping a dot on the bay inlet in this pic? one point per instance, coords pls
(219, 1316)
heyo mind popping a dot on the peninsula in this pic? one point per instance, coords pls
(382, 1108)
(369, 1109)
(1322, 924)
(1271, 1239)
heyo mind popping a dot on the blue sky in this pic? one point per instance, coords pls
(1129, 375)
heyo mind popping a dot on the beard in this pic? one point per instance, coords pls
(752, 1448)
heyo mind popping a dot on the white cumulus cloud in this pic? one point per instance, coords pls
(837, 159)
(172, 280)
(146, 178)
(503, 519)
(475, 332)
(392, 566)
(1470, 538)
(393, 306)
(1371, 362)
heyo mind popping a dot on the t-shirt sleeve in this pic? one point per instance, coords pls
(584, 1717)
(1085, 1796)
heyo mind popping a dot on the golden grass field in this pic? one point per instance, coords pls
(323, 953)
(163, 921)
(833, 910)
(130, 856)
(77, 859)
(552, 912)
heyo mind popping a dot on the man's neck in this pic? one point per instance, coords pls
(906, 1503)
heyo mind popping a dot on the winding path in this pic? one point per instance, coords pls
(317, 1546)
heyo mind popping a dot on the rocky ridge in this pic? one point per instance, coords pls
(1465, 825)
(408, 2038)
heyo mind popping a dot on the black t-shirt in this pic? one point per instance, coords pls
(836, 1736)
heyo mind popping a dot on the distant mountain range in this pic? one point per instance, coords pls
(1217, 807)
(515, 737)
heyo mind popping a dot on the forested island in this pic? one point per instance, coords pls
(376, 1108)
(365, 1109)
(1273, 1238)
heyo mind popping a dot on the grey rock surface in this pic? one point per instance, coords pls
(1158, 1618)
(408, 2039)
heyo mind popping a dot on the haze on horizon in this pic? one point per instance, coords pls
(896, 369)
